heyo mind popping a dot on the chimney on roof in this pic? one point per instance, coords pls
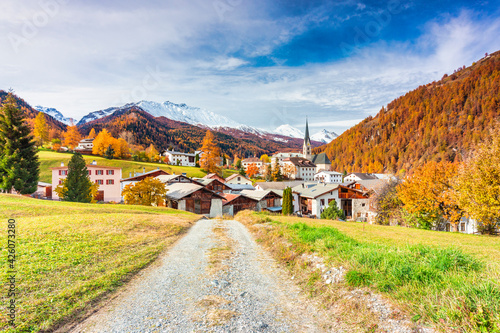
(130, 174)
(158, 168)
(143, 170)
(62, 164)
(94, 162)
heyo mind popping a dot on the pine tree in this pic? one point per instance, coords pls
(109, 153)
(287, 207)
(19, 165)
(79, 186)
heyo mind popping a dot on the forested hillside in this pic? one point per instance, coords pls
(32, 113)
(438, 121)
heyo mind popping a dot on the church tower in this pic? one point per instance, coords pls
(306, 148)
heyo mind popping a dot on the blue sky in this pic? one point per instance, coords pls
(261, 63)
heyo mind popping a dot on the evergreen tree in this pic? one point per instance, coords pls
(109, 153)
(19, 165)
(79, 186)
(333, 212)
(287, 207)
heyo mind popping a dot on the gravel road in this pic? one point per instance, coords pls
(215, 279)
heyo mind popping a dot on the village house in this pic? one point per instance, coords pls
(43, 190)
(298, 168)
(312, 199)
(178, 158)
(234, 203)
(194, 198)
(214, 176)
(329, 177)
(108, 179)
(356, 176)
(214, 185)
(237, 188)
(322, 162)
(171, 179)
(85, 146)
(238, 179)
(278, 158)
(138, 176)
(267, 200)
(252, 160)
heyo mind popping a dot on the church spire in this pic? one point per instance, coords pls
(306, 148)
(306, 137)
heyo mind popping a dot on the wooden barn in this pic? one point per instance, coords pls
(213, 184)
(234, 203)
(194, 198)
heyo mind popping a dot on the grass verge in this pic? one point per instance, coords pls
(451, 282)
(70, 255)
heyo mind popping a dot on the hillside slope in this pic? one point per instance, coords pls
(31, 113)
(438, 121)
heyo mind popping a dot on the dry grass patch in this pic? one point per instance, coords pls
(220, 316)
(70, 255)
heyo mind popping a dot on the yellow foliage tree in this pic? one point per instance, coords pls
(265, 158)
(148, 192)
(152, 153)
(252, 170)
(40, 129)
(429, 193)
(210, 159)
(72, 136)
(102, 141)
(92, 134)
(478, 183)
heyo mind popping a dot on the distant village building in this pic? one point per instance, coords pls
(214, 185)
(252, 160)
(278, 158)
(262, 186)
(85, 146)
(108, 179)
(298, 168)
(138, 176)
(238, 179)
(356, 176)
(322, 162)
(329, 177)
(183, 159)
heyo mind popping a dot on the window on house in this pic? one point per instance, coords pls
(362, 205)
(322, 202)
(462, 226)
(90, 172)
(99, 181)
(99, 172)
(110, 181)
(110, 172)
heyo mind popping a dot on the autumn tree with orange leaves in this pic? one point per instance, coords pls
(252, 170)
(429, 194)
(92, 134)
(104, 140)
(72, 137)
(210, 159)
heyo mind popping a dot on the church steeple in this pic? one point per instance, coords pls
(306, 148)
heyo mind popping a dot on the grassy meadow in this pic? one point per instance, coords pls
(50, 159)
(70, 255)
(451, 280)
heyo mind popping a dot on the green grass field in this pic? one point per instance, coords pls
(71, 254)
(50, 159)
(449, 279)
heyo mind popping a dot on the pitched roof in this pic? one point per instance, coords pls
(234, 175)
(240, 187)
(228, 197)
(321, 159)
(146, 174)
(373, 184)
(278, 185)
(315, 190)
(168, 178)
(363, 176)
(257, 195)
(301, 162)
(177, 191)
(214, 176)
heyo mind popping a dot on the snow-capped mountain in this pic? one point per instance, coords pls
(55, 114)
(288, 130)
(100, 114)
(324, 136)
(293, 132)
